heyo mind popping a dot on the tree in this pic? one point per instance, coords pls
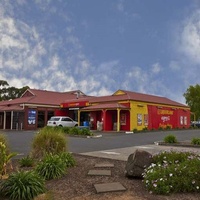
(7, 92)
(3, 88)
(192, 96)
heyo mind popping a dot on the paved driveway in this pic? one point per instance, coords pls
(110, 145)
(123, 153)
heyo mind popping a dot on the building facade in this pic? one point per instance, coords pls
(128, 111)
(33, 109)
(121, 111)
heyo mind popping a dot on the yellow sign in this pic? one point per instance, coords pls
(165, 112)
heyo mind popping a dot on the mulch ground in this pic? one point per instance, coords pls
(78, 185)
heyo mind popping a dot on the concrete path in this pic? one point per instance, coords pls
(109, 187)
(123, 153)
(99, 172)
(104, 165)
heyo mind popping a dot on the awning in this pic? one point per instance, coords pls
(11, 108)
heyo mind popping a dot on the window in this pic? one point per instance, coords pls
(139, 119)
(185, 120)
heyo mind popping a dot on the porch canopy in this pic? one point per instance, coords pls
(104, 108)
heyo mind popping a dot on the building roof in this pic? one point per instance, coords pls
(123, 95)
(52, 98)
(39, 97)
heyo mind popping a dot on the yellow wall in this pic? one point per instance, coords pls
(137, 108)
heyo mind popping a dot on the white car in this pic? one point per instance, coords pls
(62, 121)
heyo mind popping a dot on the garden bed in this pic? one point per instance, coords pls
(77, 185)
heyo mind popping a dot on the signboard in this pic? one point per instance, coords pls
(74, 104)
(31, 117)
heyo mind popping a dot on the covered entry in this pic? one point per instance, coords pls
(112, 117)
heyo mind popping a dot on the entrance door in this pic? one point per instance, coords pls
(8, 120)
(41, 119)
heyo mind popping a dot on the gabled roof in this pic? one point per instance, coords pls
(43, 97)
(123, 95)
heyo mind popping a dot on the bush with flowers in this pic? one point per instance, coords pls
(173, 172)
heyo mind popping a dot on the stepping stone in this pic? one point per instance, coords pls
(109, 187)
(102, 165)
(99, 172)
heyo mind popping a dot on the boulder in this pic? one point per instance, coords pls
(137, 162)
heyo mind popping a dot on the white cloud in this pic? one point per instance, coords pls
(55, 62)
(189, 42)
(175, 65)
(156, 68)
(120, 5)
(21, 2)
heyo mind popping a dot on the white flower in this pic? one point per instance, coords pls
(193, 182)
(171, 175)
(197, 187)
(154, 185)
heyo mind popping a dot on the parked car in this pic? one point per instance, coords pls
(195, 124)
(62, 121)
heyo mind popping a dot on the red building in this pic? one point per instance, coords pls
(126, 111)
(33, 109)
(121, 111)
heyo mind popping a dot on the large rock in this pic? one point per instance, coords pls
(137, 162)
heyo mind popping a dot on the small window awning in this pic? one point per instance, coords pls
(11, 108)
(106, 106)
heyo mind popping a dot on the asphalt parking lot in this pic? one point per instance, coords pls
(111, 145)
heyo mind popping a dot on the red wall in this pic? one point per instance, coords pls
(125, 126)
(165, 116)
(59, 112)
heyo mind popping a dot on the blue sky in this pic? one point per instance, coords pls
(100, 46)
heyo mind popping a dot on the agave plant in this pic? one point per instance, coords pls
(23, 185)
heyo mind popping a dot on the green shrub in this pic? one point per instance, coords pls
(196, 141)
(4, 140)
(67, 158)
(172, 157)
(56, 128)
(135, 130)
(75, 131)
(66, 129)
(48, 140)
(145, 129)
(27, 161)
(177, 172)
(85, 131)
(51, 167)
(5, 158)
(170, 139)
(23, 185)
(168, 127)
